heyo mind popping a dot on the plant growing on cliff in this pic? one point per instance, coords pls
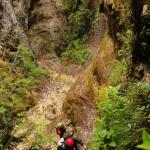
(76, 53)
(118, 72)
(122, 116)
(80, 19)
(127, 40)
(146, 141)
(40, 138)
(19, 79)
(126, 35)
(47, 47)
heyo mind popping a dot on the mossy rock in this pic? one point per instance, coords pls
(4, 65)
(80, 102)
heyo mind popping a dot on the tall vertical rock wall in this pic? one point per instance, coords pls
(34, 22)
(46, 23)
(80, 102)
(11, 23)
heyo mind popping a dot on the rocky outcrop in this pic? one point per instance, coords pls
(10, 24)
(22, 11)
(46, 23)
(79, 104)
(32, 21)
(141, 51)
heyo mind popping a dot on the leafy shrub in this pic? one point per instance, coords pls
(40, 138)
(28, 63)
(69, 5)
(146, 141)
(47, 47)
(80, 20)
(122, 115)
(126, 35)
(19, 78)
(127, 40)
(117, 72)
(75, 53)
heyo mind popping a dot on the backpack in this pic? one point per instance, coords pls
(66, 143)
(69, 142)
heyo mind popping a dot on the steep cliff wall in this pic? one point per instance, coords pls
(33, 22)
(120, 45)
(121, 54)
(11, 23)
(80, 101)
(141, 51)
(46, 24)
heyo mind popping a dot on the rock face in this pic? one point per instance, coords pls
(22, 11)
(41, 21)
(79, 104)
(11, 24)
(46, 23)
(141, 51)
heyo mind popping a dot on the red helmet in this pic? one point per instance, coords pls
(60, 128)
(70, 142)
(58, 131)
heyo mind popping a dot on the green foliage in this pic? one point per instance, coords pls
(146, 141)
(126, 39)
(122, 114)
(40, 138)
(80, 19)
(69, 5)
(19, 76)
(21, 114)
(125, 14)
(126, 35)
(117, 72)
(28, 64)
(76, 53)
(47, 47)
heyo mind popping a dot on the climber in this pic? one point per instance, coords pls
(67, 140)
(60, 129)
(70, 142)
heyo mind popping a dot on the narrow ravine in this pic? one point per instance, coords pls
(85, 63)
(49, 104)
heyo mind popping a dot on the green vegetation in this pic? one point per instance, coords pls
(28, 63)
(126, 38)
(122, 115)
(80, 19)
(126, 35)
(117, 72)
(146, 141)
(47, 47)
(125, 106)
(76, 53)
(40, 138)
(19, 80)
